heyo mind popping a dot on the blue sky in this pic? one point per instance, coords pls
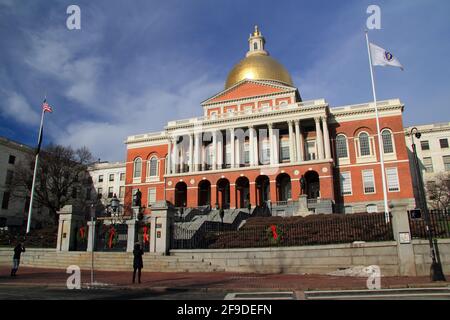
(135, 65)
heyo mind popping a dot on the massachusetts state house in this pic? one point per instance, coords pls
(259, 144)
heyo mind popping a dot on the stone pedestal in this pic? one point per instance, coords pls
(161, 220)
(402, 234)
(131, 237)
(70, 219)
(91, 236)
(303, 206)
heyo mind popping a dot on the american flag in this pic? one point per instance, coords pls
(46, 107)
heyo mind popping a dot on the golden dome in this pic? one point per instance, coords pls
(258, 65)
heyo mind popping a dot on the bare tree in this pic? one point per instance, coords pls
(438, 191)
(61, 178)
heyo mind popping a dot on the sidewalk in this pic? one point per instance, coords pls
(219, 281)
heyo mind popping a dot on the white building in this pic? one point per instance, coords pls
(108, 179)
(14, 209)
(433, 151)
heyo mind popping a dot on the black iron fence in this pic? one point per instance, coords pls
(283, 232)
(439, 223)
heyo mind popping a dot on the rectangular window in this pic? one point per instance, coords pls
(12, 159)
(151, 196)
(346, 183)
(428, 164)
(284, 149)
(99, 193)
(110, 192)
(9, 177)
(5, 201)
(443, 143)
(311, 150)
(122, 192)
(425, 145)
(446, 163)
(111, 177)
(122, 176)
(392, 179)
(247, 153)
(100, 178)
(368, 181)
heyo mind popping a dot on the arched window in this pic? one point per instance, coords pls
(255, 46)
(388, 145)
(341, 146)
(152, 167)
(364, 144)
(137, 169)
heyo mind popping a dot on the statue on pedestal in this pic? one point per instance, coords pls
(302, 185)
(137, 198)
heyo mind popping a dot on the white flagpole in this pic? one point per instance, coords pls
(30, 209)
(380, 145)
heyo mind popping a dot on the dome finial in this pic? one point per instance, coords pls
(256, 33)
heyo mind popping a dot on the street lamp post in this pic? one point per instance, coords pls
(93, 243)
(436, 267)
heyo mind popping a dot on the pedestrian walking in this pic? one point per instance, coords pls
(16, 259)
(138, 264)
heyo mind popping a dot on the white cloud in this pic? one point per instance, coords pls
(17, 108)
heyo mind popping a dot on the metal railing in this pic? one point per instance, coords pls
(439, 222)
(285, 232)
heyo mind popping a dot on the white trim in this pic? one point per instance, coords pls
(364, 184)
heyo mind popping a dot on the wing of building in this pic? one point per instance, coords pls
(258, 143)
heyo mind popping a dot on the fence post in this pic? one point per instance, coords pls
(131, 234)
(91, 236)
(69, 220)
(161, 221)
(402, 234)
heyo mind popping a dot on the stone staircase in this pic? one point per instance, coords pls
(108, 261)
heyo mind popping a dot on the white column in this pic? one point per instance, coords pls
(182, 153)
(238, 147)
(232, 156)
(299, 141)
(291, 142)
(319, 139)
(255, 147)
(196, 151)
(203, 157)
(169, 156)
(272, 144)
(191, 152)
(214, 148)
(175, 155)
(326, 138)
(276, 139)
(251, 148)
(219, 149)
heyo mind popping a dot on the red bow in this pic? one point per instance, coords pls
(112, 232)
(82, 232)
(274, 232)
(146, 237)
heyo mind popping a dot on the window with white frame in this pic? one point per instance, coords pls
(346, 183)
(392, 179)
(265, 156)
(388, 144)
(368, 181)
(283, 103)
(151, 196)
(284, 149)
(311, 149)
(428, 164)
(111, 177)
(122, 176)
(371, 208)
(152, 167)
(341, 146)
(110, 192)
(213, 115)
(364, 144)
(446, 163)
(122, 192)
(247, 152)
(137, 169)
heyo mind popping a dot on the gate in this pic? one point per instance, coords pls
(111, 237)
